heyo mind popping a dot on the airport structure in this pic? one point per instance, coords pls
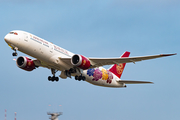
(6, 115)
(54, 116)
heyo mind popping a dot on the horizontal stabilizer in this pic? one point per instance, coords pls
(133, 82)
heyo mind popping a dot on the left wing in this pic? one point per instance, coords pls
(96, 62)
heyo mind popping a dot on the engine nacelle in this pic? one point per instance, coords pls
(80, 61)
(25, 63)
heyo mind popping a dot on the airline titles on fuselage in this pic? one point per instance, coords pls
(39, 40)
(45, 43)
(57, 48)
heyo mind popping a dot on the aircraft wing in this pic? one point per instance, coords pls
(96, 62)
(43, 64)
(40, 63)
(133, 82)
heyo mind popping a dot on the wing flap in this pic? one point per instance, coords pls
(134, 82)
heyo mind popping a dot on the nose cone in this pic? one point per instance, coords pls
(7, 38)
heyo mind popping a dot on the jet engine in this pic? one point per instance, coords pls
(80, 61)
(25, 63)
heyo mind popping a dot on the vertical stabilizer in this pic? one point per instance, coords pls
(118, 69)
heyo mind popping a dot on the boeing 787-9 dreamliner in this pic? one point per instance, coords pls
(83, 68)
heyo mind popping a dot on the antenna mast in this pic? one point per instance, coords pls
(5, 114)
(15, 116)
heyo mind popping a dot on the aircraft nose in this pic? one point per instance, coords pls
(7, 38)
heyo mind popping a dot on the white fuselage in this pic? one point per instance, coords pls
(49, 54)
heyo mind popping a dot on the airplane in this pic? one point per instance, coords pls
(83, 68)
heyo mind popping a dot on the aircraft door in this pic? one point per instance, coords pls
(22, 40)
(25, 37)
(51, 47)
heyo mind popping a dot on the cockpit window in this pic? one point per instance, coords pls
(11, 33)
(15, 33)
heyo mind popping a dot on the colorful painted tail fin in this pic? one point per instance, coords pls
(118, 69)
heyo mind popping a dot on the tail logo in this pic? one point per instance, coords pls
(119, 68)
